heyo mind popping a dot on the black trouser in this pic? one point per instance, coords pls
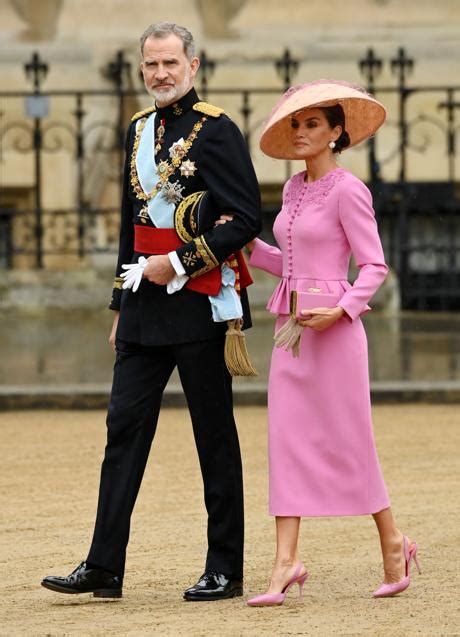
(140, 376)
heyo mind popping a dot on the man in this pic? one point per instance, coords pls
(179, 278)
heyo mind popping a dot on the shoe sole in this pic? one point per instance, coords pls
(103, 592)
(264, 605)
(238, 592)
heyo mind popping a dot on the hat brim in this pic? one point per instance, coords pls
(363, 115)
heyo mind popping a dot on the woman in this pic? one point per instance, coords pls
(322, 456)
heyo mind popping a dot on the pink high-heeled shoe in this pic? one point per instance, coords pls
(388, 590)
(276, 599)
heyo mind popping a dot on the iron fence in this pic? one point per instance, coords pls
(419, 220)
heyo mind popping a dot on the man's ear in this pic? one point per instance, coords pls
(194, 66)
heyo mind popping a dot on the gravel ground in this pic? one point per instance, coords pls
(48, 484)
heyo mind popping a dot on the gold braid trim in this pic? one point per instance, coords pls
(206, 254)
(210, 252)
(208, 109)
(118, 283)
(143, 113)
(187, 204)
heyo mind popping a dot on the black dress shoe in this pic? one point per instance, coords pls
(86, 579)
(211, 586)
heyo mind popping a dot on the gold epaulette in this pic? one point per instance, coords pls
(140, 114)
(208, 109)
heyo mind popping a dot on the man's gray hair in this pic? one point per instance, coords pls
(163, 29)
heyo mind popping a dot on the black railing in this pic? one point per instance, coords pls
(419, 221)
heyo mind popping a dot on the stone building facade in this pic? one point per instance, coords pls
(78, 38)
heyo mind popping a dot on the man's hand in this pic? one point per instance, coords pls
(113, 331)
(159, 269)
(320, 318)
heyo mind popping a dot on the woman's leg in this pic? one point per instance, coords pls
(287, 552)
(391, 542)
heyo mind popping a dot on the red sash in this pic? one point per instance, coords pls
(149, 240)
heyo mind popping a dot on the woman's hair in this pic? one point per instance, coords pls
(336, 117)
(163, 29)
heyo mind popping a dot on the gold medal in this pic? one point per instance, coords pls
(160, 135)
(163, 167)
(144, 214)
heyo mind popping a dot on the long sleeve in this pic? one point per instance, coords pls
(267, 258)
(126, 241)
(358, 221)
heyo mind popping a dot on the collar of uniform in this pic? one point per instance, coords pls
(178, 108)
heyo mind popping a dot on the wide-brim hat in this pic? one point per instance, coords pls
(363, 114)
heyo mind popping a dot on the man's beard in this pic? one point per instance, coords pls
(172, 94)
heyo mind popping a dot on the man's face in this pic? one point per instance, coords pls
(167, 71)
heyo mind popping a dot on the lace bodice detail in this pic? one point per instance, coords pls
(311, 193)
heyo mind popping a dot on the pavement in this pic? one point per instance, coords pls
(49, 478)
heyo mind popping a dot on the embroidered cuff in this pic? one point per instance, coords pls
(197, 257)
(117, 283)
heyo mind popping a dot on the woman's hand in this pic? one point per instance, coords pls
(320, 318)
(251, 245)
(223, 219)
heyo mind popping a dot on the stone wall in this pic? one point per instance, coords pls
(78, 37)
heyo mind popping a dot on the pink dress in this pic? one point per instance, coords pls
(322, 455)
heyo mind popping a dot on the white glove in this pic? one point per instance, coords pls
(133, 275)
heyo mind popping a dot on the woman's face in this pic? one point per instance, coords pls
(311, 133)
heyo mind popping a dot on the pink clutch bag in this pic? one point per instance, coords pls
(308, 300)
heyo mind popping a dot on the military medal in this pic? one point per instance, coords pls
(162, 168)
(188, 168)
(172, 192)
(177, 152)
(160, 133)
(144, 214)
(165, 169)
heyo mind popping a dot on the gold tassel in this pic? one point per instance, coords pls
(236, 353)
(288, 337)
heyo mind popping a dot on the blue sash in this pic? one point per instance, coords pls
(160, 211)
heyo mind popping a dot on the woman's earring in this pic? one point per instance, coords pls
(331, 145)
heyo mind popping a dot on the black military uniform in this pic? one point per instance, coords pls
(158, 331)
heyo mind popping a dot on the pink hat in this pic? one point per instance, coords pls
(363, 114)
